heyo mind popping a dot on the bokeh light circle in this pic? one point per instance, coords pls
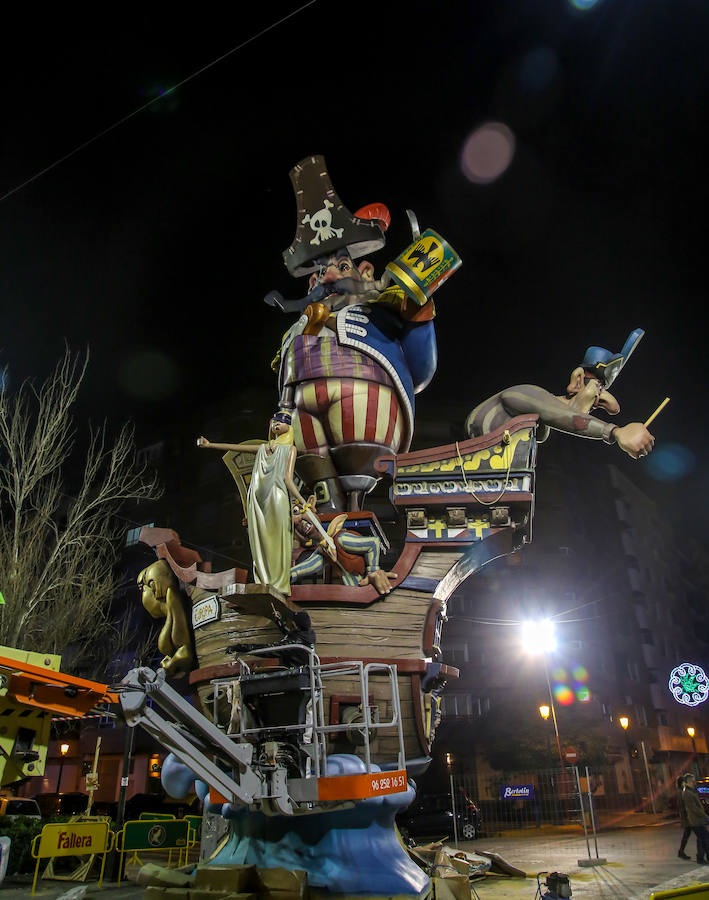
(671, 462)
(580, 673)
(583, 4)
(563, 695)
(537, 69)
(487, 152)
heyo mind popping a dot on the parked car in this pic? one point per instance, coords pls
(70, 803)
(13, 807)
(431, 816)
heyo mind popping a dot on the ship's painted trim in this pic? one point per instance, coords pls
(449, 499)
(448, 451)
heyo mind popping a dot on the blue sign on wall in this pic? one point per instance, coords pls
(517, 791)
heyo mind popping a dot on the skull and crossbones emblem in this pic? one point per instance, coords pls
(321, 223)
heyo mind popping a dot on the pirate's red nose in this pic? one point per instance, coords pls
(332, 273)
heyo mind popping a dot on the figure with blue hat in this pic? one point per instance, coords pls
(587, 390)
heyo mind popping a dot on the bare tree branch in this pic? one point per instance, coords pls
(58, 550)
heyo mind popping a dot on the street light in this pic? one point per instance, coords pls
(539, 637)
(449, 763)
(544, 711)
(63, 749)
(624, 723)
(691, 731)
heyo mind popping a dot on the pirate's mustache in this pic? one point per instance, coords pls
(342, 287)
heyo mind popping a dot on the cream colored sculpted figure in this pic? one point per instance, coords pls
(161, 597)
(268, 503)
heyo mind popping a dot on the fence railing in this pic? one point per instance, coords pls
(571, 796)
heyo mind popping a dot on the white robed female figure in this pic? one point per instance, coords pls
(269, 503)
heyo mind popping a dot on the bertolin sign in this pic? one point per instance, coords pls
(517, 791)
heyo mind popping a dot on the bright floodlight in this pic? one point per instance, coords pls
(690, 731)
(538, 636)
(624, 721)
(544, 711)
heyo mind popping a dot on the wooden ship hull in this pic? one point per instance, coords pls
(465, 504)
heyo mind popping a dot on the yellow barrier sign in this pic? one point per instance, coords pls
(72, 839)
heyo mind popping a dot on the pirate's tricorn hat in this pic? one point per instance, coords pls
(605, 364)
(324, 224)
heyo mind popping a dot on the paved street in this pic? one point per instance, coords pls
(640, 860)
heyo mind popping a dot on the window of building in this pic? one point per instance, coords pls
(456, 652)
(459, 605)
(634, 579)
(646, 637)
(661, 716)
(621, 510)
(641, 714)
(457, 705)
(632, 669)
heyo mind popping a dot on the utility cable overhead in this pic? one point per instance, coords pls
(145, 106)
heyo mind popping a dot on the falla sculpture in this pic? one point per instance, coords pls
(318, 675)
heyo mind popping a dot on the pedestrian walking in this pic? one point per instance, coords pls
(696, 817)
(683, 821)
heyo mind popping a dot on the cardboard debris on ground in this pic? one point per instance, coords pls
(229, 879)
(453, 887)
(161, 876)
(159, 892)
(437, 859)
(500, 866)
(282, 884)
(214, 882)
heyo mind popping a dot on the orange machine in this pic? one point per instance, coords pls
(31, 689)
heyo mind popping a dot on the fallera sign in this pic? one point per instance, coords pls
(72, 839)
(69, 839)
(517, 791)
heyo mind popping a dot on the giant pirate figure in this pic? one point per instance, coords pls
(351, 364)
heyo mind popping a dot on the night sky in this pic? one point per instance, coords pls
(156, 243)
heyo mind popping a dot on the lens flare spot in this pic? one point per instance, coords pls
(537, 69)
(583, 694)
(487, 152)
(580, 674)
(563, 694)
(558, 674)
(670, 462)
